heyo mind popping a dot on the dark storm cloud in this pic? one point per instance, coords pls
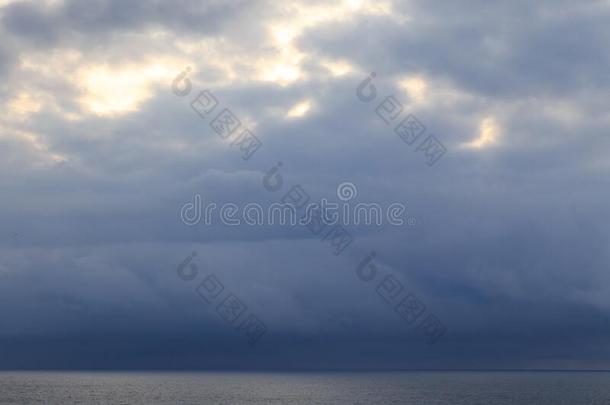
(509, 249)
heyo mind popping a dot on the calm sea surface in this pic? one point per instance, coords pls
(305, 388)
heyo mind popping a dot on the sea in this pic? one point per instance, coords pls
(305, 388)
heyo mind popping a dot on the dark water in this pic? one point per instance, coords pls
(234, 388)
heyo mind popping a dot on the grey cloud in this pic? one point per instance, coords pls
(509, 248)
(498, 49)
(66, 22)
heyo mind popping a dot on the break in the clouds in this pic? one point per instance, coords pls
(98, 156)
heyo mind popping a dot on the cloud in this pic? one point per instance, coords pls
(99, 155)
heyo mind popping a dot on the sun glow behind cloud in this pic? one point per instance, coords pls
(286, 67)
(489, 132)
(299, 110)
(416, 87)
(118, 90)
(34, 144)
(338, 67)
(24, 104)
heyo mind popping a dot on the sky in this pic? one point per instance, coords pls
(108, 138)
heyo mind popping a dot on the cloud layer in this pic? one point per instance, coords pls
(98, 155)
